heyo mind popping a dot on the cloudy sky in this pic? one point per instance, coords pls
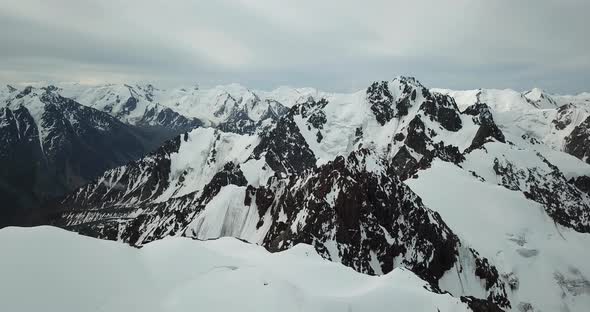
(329, 44)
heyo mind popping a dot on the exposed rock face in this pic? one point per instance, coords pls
(488, 273)
(424, 150)
(348, 212)
(381, 101)
(488, 130)
(167, 118)
(407, 89)
(284, 148)
(564, 117)
(442, 109)
(142, 194)
(135, 105)
(120, 185)
(385, 106)
(582, 183)
(151, 219)
(566, 204)
(542, 182)
(404, 164)
(51, 145)
(421, 119)
(20, 152)
(480, 305)
(314, 114)
(240, 121)
(578, 142)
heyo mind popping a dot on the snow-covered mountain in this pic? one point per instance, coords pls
(36, 171)
(560, 122)
(50, 145)
(540, 99)
(179, 274)
(473, 191)
(136, 105)
(232, 108)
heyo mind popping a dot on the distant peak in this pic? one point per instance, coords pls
(540, 98)
(26, 91)
(535, 93)
(408, 80)
(146, 87)
(50, 88)
(11, 88)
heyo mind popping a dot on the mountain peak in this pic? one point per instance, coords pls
(49, 88)
(11, 88)
(540, 99)
(408, 80)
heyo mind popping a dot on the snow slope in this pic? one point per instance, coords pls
(203, 154)
(540, 98)
(47, 269)
(548, 262)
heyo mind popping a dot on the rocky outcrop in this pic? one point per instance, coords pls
(284, 148)
(442, 109)
(348, 212)
(564, 202)
(488, 130)
(381, 102)
(240, 121)
(578, 142)
(564, 117)
(582, 183)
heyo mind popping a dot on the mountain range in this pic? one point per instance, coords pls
(482, 194)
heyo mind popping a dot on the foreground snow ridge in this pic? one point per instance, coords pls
(48, 269)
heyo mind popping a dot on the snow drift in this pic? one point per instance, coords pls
(48, 269)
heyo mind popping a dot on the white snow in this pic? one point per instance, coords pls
(256, 171)
(48, 269)
(347, 112)
(527, 113)
(570, 166)
(4, 95)
(540, 98)
(289, 96)
(582, 99)
(226, 215)
(212, 105)
(203, 155)
(514, 233)
(498, 100)
(344, 113)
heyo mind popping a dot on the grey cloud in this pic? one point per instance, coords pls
(332, 45)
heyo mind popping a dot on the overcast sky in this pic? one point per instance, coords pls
(327, 44)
